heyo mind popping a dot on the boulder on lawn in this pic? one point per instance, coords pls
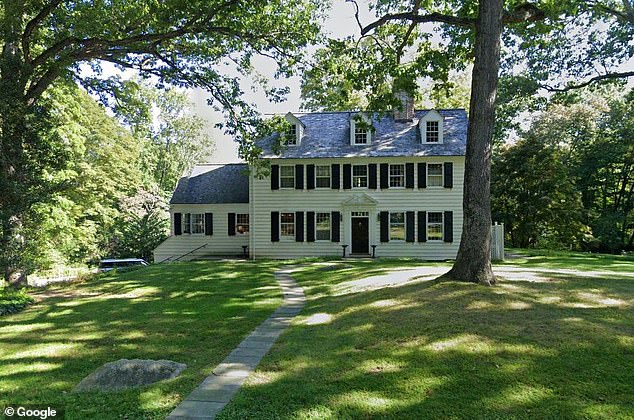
(124, 374)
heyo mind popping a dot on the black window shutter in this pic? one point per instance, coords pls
(178, 223)
(275, 177)
(310, 177)
(299, 226)
(448, 175)
(422, 175)
(409, 175)
(409, 226)
(385, 226)
(209, 224)
(231, 225)
(275, 226)
(422, 226)
(372, 176)
(335, 218)
(310, 226)
(347, 176)
(334, 169)
(385, 182)
(299, 177)
(448, 228)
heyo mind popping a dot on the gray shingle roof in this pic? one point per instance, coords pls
(327, 134)
(213, 184)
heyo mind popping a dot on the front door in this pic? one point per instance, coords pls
(360, 237)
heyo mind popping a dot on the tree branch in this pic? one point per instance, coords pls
(416, 18)
(32, 24)
(588, 82)
(526, 12)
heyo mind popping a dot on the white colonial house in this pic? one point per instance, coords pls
(390, 187)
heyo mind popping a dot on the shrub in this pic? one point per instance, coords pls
(12, 301)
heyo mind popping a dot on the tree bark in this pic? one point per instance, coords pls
(473, 262)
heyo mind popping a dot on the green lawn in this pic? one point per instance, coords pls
(193, 313)
(559, 348)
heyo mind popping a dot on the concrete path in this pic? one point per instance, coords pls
(206, 401)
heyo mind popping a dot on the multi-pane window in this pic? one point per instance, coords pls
(187, 223)
(359, 176)
(242, 224)
(291, 135)
(287, 176)
(322, 226)
(322, 176)
(193, 223)
(434, 226)
(287, 224)
(433, 133)
(397, 176)
(397, 226)
(360, 135)
(198, 223)
(434, 175)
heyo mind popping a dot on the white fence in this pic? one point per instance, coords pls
(497, 242)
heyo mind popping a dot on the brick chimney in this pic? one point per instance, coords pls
(404, 112)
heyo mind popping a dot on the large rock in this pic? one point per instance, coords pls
(124, 374)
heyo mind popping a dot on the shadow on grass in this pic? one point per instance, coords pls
(562, 349)
(193, 313)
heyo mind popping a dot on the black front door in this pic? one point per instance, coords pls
(360, 238)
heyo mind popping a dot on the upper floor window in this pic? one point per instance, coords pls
(431, 127)
(290, 139)
(242, 223)
(434, 226)
(187, 223)
(322, 226)
(397, 226)
(287, 225)
(433, 133)
(434, 175)
(397, 176)
(360, 135)
(359, 176)
(287, 176)
(322, 176)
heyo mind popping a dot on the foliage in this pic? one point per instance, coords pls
(568, 181)
(534, 195)
(202, 43)
(193, 313)
(12, 301)
(173, 138)
(142, 225)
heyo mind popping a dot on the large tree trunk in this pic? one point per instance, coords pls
(13, 129)
(473, 262)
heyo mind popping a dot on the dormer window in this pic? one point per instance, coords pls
(431, 127)
(295, 131)
(360, 130)
(291, 136)
(360, 135)
(432, 132)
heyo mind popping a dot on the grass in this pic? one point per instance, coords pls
(570, 260)
(559, 348)
(193, 313)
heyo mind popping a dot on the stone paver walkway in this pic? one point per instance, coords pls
(206, 401)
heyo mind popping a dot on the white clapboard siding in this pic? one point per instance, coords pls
(220, 243)
(263, 201)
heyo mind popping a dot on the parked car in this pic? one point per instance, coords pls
(121, 264)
